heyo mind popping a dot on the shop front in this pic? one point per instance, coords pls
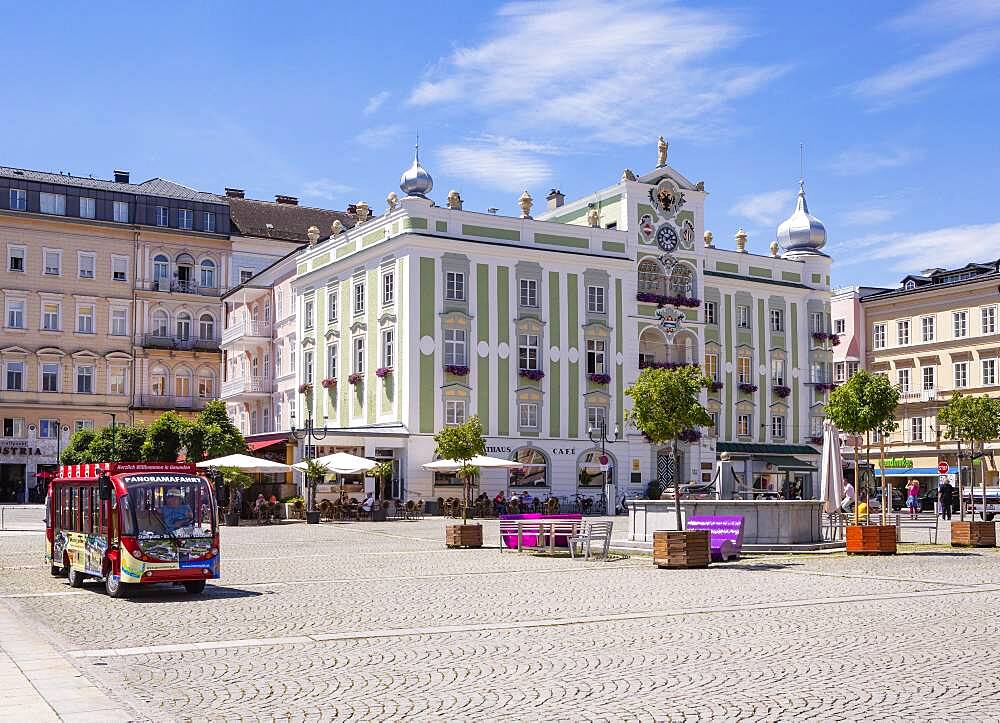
(25, 468)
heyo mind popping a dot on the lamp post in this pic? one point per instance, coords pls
(309, 433)
(597, 435)
(114, 437)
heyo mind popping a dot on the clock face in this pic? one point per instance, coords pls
(666, 238)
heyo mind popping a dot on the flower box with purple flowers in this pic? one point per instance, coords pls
(715, 386)
(532, 374)
(305, 388)
(747, 388)
(355, 378)
(782, 391)
(599, 378)
(664, 299)
(456, 369)
(383, 372)
(329, 383)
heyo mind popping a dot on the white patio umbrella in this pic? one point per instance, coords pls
(341, 463)
(832, 469)
(246, 463)
(451, 465)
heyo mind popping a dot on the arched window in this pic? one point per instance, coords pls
(158, 381)
(182, 383)
(207, 274)
(651, 278)
(160, 324)
(206, 384)
(184, 326)
(161, 269)
(185, 272)
(206, 327)
(253, 422)
(682, 281)
(534, 471)
(910, 285)
(590, 471)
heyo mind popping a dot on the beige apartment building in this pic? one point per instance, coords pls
(936, 334)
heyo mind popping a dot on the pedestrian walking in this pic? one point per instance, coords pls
(913, 498)
(945, 493)
(848, 504)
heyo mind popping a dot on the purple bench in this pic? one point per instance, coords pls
(531, 539)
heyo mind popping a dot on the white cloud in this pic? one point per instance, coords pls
(379, 136)
(935, 14)
(325, 188)
(620, 72)
(858, 161)
(911, 252)
(765, 209)
(508, 164)
(869, 216)
(376, 101)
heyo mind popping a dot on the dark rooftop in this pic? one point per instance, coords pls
(153, 187)
(282, 221)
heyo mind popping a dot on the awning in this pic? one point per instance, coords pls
(790, 463)
(764, 449)
(264, 443)
(914, 472)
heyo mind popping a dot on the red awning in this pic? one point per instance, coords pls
(261, 444)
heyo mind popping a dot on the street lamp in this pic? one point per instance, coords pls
(114, 437)
(309, 432)
(600, 434)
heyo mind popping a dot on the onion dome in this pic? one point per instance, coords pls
(802, 231)
(416, 181)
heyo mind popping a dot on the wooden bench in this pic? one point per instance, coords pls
(599, 532)
(931, 525)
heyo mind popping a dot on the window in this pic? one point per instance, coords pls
(119, 268)
(595, 356)
(53, 262)
(989, 319)
(903, 379)
(839, 326)
(310, 314)
(597, 418)
(83, 424)
(307, 367)
(48, 428)
(454, 347)
(50, 377)
(903, 332)
(960, 321)
(52, 203)
(527, 351)
(184, 326)
(454, 411)
(916, 429)
(714, 427)
(117, 380)
(50, 316)
(120, 210)
(85, 319)
(18, 199)
(15, 314)
(878, 336)
(85, 379)
(388, 347)
(712, 366)
(527, 415)
(161, 272)
(162, 216)
(710, 313)
(119, 322)
(13, 426)
(743, 316)
(359, 355)
(743, 425)
(927, 328)
(989, 372)
(15, 258)
(206, 386)
(206, 327)
(595, 299)
(744, 375)
(961, 375)
(529, 292)
(185, 218)
(928, 377)
(388, 288)
(852, 368)
(778, 372)
(816, 321)
(15, 376)
(777, 426)
(777, 320)
(87, 264)
(208, 274)
(331, 361)
(88, 207)
(332, 302)
(359, 297)
(839, 373)
(209, 222)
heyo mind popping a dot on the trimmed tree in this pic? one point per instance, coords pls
(165, 438)
(213, 434)
(866, 403)
(108, 444)
(666, 404)
(235, 479)
(972, 420)
(381, 472)
(77, 449)
(315, 471)
(461, 443)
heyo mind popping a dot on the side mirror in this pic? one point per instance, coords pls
(104, 487)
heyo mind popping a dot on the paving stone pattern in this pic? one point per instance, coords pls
(379, 621)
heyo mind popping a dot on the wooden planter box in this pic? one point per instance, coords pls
(463, 535)
(681, 549)
(871, 539)
(973, 534)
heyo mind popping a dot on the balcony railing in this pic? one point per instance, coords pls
(247, 385)
(169, 401)
(159, 341)
(182, 287)
(918, 395)
(251, 328)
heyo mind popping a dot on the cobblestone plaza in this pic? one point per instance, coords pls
(380, 621)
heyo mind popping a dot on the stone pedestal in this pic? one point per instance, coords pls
(766, 522)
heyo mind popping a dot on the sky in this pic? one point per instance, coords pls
(896, 105)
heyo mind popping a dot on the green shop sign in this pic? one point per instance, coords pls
(899, 463)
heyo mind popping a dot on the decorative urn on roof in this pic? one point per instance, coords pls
(525, 202)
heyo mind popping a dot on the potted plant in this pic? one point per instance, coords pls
(975, 421)
(599, 378)
(355, 378)
(781, 391)
(329, 383)
(458, 370)
(462, 443)
(747, 387)
(666, 409)
(237, 481)
(382, 472)
(383, 372)
(315, 471)
(532, 374)
(867, 403)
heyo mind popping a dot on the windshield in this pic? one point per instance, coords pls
(168, 505)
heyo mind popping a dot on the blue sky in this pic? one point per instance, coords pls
(896, 103)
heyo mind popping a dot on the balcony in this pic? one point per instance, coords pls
(251, 331)
(919, 395)
(168, 401)
(177, 286)
(160, 341)
(257, 386)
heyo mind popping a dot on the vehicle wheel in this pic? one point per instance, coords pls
(195, 586)
(115, 587)
(57, 571)
(74, 577)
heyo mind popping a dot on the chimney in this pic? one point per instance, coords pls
(235, 193)
(555, 199)
(121, 176)
(289, 200)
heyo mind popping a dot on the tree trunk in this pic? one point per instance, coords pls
(465, 499)
(961, 507)
(857, 481)
(677, 487)
(886, 499)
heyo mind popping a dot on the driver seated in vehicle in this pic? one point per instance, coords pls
(176, 512)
